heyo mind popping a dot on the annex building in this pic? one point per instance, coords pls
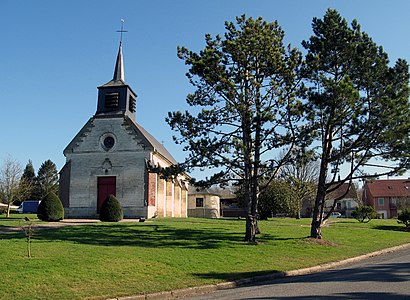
(112, 154)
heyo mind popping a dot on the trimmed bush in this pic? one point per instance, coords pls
(111, 210)
(50, 208)
(404, 217)
(364, 213)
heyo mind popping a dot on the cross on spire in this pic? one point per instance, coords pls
(122, 29)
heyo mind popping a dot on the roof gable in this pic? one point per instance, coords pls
(343, 190)
(389, 188)
(157, 146)
(140, 134)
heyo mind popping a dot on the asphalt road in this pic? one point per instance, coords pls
(382, 277)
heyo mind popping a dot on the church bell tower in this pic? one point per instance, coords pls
(116, 97)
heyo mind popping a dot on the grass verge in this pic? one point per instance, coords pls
(106, 260)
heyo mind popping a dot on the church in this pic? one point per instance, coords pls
(113, 154)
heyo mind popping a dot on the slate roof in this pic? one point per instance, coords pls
(119, 74)
(193, 190)
(157, 146)
(351, 194)
(389, 188)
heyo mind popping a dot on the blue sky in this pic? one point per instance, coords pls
(54, 54)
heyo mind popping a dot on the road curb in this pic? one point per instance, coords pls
(205, 289)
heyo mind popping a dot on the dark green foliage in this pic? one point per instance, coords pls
(28, 180)
(357, 106)
(404, 217)
(364, 213)
(50, 208)
(111, 210)
(277, 198)
(47, 179)
(244, 106)
(29, 173)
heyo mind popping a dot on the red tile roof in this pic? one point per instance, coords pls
(389, 188)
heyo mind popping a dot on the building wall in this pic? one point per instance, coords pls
(64, 184)
(161, 192)
(177, 200)
(140, 193)
(126, 161)
(152, 189)
(169, 199)
(384, 211)
(184, 204)
(210, 208)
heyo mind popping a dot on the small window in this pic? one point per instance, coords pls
(132, 104)
(381, 201)
(109, 142)
(111, 100)
(199, 202)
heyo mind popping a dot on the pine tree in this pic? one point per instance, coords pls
(29, 178)
(246, 97)
(357, 107)
(47, 179)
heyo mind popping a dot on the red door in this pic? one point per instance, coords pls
(106, 186)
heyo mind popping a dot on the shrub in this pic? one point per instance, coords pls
(278, 198)
(363, 212)
(3, 209)
(404, 217)
(50, 208)
(111, 210)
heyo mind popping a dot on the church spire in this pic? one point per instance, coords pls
(119, 65)
(116, 97)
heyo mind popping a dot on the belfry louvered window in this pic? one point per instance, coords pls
(111, 100)
(132, 104)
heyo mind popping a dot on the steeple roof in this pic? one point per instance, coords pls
(118, 78)
(119, 66)
(116, 96)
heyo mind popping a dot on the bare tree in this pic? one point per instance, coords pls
(12, 188)
(302, 172)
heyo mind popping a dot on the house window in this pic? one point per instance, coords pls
(381, 201)
(199, 202)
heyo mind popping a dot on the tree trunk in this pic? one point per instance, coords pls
(316, 229)
(29, 244)
(251, 229)
(317, 217)
(8, 210)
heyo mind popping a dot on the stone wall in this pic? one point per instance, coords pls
(126, 160)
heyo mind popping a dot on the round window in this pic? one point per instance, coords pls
(109, 142)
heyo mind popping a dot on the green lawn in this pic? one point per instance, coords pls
(106, 260)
